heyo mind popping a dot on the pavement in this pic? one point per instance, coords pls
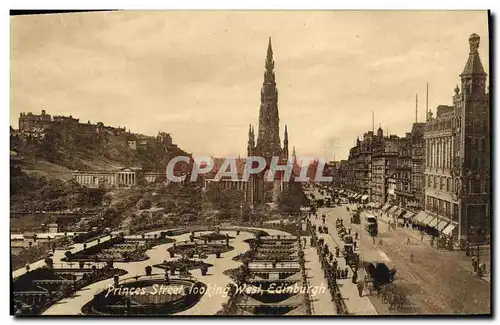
(355, 304)
(322, 303)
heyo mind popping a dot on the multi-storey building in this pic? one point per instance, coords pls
(364, 165)
(403, 191)
(359, 166)
(439, 181)
(28, 122)
(418, 166)
(457, 144)
(342, 174)
(384, 162)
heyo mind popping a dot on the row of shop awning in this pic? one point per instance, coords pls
(443, 225)
(425, 218)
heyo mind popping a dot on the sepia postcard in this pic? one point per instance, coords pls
(250, 163)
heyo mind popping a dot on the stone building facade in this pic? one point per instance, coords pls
(403, 190)
(384, 162)
(418, 165)
(458, 159)
(124, 177)
(359, 165)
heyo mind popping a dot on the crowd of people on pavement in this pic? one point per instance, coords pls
(329, 264)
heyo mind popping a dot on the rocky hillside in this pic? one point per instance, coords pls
(59, 152)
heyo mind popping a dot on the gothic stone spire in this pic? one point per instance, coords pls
(268, 139)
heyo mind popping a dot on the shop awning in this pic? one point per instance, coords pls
(442, 224)
(364, 197)
(341, 191)
(449, 228)
(427, 220)
(408, 214)
(420, 216)
(396, 211)
(399, 213)
(433, 223)
(386, 206)
(394, 208)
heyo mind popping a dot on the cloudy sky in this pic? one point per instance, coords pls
(198, 74)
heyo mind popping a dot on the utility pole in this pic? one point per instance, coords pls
(416, 108)
(427, 101)
(373, 121)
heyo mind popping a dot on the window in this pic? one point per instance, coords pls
(454, 215)
(485, 186)
(476, 186)
(448, 184)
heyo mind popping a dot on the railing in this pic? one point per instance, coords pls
(279, 265)
(154, 277)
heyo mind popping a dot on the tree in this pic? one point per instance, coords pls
(291, 199)
(145, 204)
(68, 255)
(109, 263)
(148, 270)
(183, 272)
(49, 263)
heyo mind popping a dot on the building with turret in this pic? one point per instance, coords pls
(457, 143)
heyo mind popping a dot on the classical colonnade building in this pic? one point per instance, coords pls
(108, 178)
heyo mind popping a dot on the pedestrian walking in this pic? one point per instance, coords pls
(360, 286)
(474, 264)
(356, 235)
(412, 257)
(408, 241)
(483, 268)
(373, 240)
(355, 277)
(421, 237)
(354, 244)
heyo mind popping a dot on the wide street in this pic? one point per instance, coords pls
(437, 282)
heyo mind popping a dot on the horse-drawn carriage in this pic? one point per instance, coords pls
(378, 274)
(379, 278)
(356, 218)
(351, 257)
